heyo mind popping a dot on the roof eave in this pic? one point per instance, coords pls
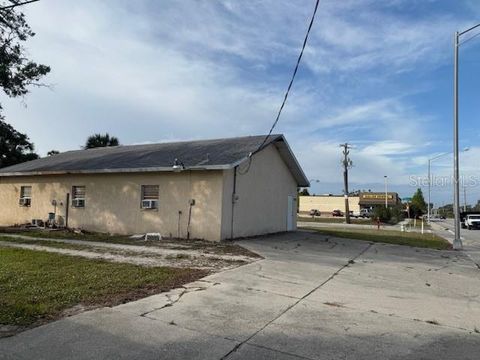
(297, 171)
(115, 171)
(300, 177)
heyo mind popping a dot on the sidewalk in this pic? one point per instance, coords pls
(470, 239)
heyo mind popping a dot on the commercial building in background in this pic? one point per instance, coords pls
(365, 200)
(210, 189)
(327, 203)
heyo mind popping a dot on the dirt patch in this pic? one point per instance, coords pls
(207, 247)
(175, 253)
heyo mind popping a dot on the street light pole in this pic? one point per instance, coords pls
(386, 192)
(457, 242)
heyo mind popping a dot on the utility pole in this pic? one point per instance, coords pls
(347, 163)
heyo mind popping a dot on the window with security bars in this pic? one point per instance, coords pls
(78, 196)
(149, 196)
(25, 196)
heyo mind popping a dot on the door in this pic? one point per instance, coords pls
(291, 212)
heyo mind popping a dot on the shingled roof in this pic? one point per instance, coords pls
(213, 154)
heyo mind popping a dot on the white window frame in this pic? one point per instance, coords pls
(76, 197)
(22, 200)
(152, 200)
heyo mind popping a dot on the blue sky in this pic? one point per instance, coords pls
(377, 74)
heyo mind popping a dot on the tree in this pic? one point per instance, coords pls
(15, 147)
(99, 140)
(446, 210)
(477, 206)
(304, 192)
(391, 215)
(53, 152)
(17, 71)
(418, 206)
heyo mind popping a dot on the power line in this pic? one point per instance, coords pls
(18, 4)
(293, 76)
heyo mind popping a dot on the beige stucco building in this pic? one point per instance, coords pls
(328, 203)
(212, 189)
(364, 200)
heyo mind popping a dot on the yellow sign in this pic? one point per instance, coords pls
(376, 196)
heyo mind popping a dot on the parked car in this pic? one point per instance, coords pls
(363, 213)
(337, 213)
(472, 221)
(366, 213)
(354, 214)
(315, 212)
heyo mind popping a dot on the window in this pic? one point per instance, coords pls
(78, 196)
(149, 197)
(25, 196)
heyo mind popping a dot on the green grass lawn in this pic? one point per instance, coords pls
(36, 286)
(431, 241)
(49, 243)
(418, 224)
(335, 220)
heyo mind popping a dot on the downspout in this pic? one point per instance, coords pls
(233, 199)
(67, 204)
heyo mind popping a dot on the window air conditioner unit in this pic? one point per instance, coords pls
(25, 201)
(149, 204)
(78, 203)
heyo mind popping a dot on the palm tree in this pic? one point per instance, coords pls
(53, 152)
(99, 140)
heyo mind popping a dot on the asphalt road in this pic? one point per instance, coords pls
(311, 297)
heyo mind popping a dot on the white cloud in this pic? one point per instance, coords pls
(149, 70)
(388, 147)
(388, 119)
(362, 35)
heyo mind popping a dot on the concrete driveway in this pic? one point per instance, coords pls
(312, 297)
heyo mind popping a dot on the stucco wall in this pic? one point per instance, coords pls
(262, 196)
(113, 202)
(328, 203)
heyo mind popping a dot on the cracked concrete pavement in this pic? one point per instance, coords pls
(312, 297)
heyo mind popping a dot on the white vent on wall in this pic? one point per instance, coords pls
(78, 203)
(149, 204)
(25, 201)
